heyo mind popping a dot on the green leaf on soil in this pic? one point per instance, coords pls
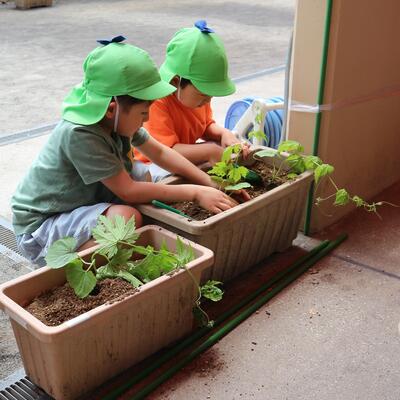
(238, 186)
(237, 173)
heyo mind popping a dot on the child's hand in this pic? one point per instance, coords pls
(214, 153)
(213, 199)
(245, 150)
(229, 139)
(241, 196)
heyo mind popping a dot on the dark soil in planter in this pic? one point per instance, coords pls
(61, 304)
(199, 214)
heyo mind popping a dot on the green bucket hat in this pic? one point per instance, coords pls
(198, 54)
(115, 69)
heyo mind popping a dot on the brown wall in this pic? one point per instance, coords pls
(361, 140)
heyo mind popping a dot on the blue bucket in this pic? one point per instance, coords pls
(273, 120)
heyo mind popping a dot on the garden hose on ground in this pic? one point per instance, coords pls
(282, 279)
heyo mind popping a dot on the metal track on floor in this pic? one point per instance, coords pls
(8, 244)
(23, 389)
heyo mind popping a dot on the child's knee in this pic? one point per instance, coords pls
(125, 211)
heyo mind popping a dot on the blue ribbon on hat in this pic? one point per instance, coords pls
(202, 25)
(116, 39)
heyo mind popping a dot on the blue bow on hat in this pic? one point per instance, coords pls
(202, 25)
(116, 39)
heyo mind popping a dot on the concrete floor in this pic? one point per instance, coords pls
(334, 333)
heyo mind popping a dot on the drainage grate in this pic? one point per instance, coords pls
(23, 389)
(8, 244)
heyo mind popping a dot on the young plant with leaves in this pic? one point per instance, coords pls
(258, 132)
(228, 173)
(117, 246)
(298, 163)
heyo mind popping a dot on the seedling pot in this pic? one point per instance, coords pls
(246, 234)
(80, 354)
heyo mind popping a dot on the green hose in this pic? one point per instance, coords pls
(203, 331)
(320, 101)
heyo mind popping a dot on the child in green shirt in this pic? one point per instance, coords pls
(85, 168)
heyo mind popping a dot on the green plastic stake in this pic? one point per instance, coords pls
(314, 255)
(253, 178)
(160, 204)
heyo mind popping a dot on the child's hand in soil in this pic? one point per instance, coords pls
(241, 196)
(213, 199)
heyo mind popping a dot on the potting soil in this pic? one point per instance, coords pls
(61, 304)
(199, 214)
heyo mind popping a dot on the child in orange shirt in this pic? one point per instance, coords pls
(196, 64)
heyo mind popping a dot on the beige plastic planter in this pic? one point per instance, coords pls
(246, 234)
(24, 4)
(78, 355)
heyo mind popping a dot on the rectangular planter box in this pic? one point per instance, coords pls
(246, 234)
(24, 4)
(82, 353)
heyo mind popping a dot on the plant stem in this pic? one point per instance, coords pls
(198, 301)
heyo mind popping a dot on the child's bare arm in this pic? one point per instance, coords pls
(225, 137)
(220, 134)
(200, 152)
(132, 192)
(177, 163)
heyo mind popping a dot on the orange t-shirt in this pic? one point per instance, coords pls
(171, 122)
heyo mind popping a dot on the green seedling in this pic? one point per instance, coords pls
(117, 245)
(229, 175)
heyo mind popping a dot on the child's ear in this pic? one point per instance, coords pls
(175, 81)
(111, 109)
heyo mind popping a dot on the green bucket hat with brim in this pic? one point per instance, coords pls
(198, 54)
(115, 69)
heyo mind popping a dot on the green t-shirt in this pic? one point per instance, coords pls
(67, 173)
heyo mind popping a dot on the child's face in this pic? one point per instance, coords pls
(131, 120)
(191, 97)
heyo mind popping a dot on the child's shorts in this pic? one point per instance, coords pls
(148, 172)
(77, 223)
